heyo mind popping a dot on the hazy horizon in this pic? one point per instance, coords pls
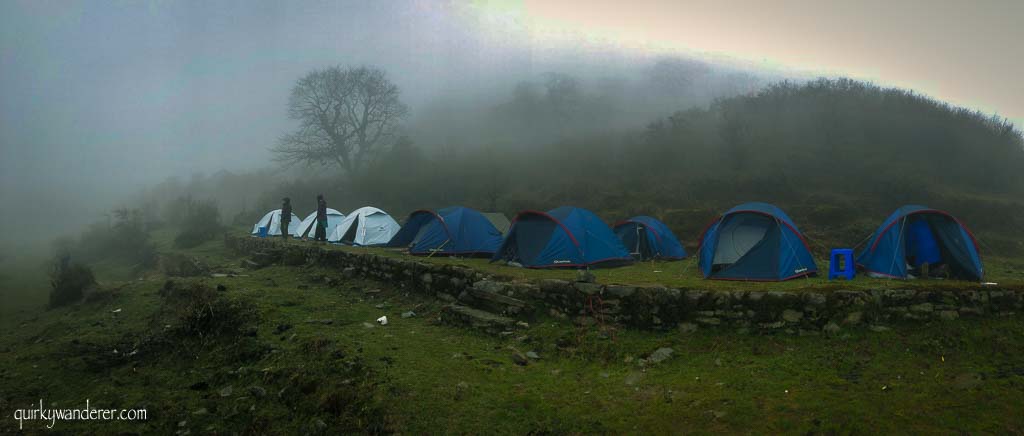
(101, 99)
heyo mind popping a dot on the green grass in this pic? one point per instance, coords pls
(685, 274)
(964, 376)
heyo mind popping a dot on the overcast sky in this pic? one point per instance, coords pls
(97, 98)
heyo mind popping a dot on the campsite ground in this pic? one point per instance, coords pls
(318, 358)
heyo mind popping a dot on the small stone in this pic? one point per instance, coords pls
(226, 391)
(589, 288)
(687, 327)
(621, 291)
(182, 423)
(633, 378)
(408, 314)
(585, 276)
(368, 325)
(660, 355)
(854, 318)
(257, 391)
(520, 359)
(815, 299)
(922, 308)
(790, 315)
(532, 355)
(879, 328)
(971, 311)
(200, 411)
(317, 426)
(708, 321)
(831, 328)
(967, 380)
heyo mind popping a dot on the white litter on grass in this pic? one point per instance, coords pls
(116, 311)
(383, 320)
(989, 284)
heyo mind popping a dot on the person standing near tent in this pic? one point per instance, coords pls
(286, 216)
(321, 219)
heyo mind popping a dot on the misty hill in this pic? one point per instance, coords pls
(838, 155)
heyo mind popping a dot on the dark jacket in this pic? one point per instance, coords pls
(321, 210)
(286, 212)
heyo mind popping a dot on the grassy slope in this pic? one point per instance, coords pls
(960, 376)
(685, 274)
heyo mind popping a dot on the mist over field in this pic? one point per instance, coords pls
(103, 102)
(512, 216)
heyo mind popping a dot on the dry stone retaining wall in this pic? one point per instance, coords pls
(645, 307)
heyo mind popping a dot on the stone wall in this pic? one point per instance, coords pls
(646, 307)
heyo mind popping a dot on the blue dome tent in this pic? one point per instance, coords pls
(754, 241)
(562, 237)
(451, 231)
(914, 235)
(647, 238)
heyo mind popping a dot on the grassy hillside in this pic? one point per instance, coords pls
(286, 353)
(837, 155)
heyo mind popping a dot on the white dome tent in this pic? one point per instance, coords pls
(272, 221)
(307, 229)
(365, 226)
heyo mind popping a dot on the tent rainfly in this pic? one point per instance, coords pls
(451, 231)
(307, 229)
(272, 221)
(647, 238)
(365, 226)
(757, 242)
(498, 220)
(915, 235)
(562, 237)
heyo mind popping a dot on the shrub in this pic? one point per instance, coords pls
(69, 283)
(126, 236)
(200, 223)
(201, 312)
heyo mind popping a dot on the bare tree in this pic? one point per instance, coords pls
(343, 114)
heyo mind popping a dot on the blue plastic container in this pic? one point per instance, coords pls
(841, 257)
(262, 232)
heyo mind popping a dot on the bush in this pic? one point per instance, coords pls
(69, 283)
(201, 312)
(125, 237)
(200, 223)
